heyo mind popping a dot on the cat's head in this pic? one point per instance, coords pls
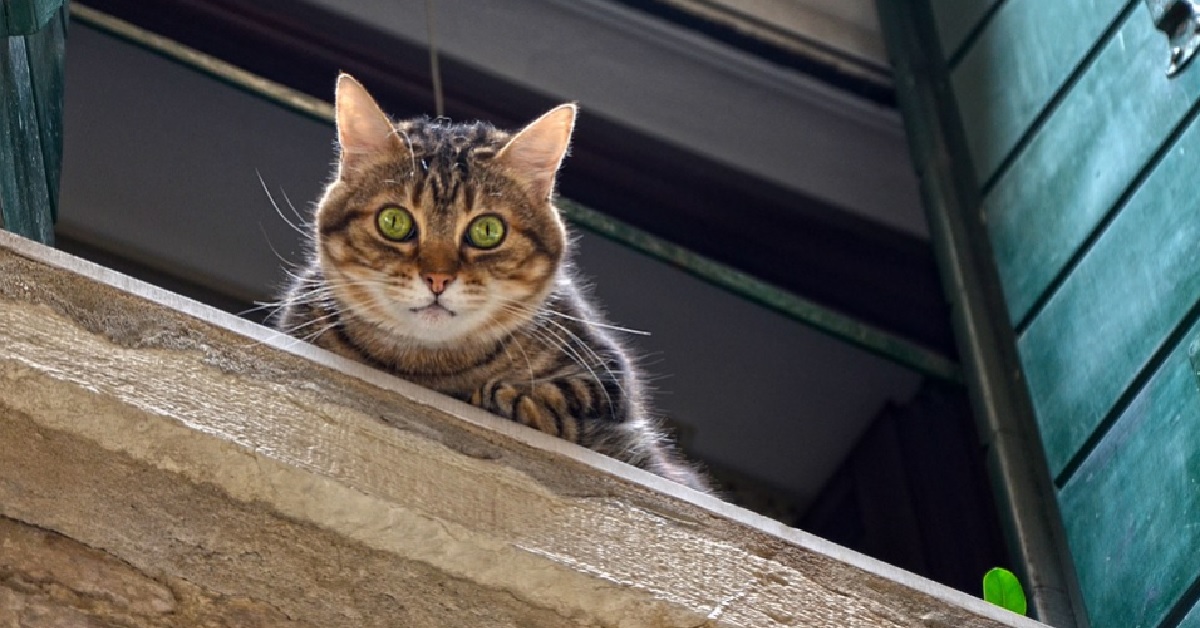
(438, 232)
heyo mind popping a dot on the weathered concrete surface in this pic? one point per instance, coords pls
(48, 580)
(221, 470)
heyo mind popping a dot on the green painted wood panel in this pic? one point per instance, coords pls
(31, 85)
(1096, 236)
(24, 198)
(1192, 619)
(957, 232)
(1132, 512)
(1017, 64)
(1085, 156)
(956, 19)
(47, 53)
(1116, 308)
(24, 17)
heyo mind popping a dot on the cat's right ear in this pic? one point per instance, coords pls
(363, 129)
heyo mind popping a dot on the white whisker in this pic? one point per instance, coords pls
(552, 339)
(589, 323)
(595, 356)
(303, 233)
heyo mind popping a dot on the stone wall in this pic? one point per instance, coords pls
(164, 464)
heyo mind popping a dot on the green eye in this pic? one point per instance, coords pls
(486, 232)
(395, 223)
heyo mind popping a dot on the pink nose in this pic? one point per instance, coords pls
(437, 282)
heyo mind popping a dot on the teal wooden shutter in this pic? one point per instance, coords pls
(31, 88)
(1076, 158)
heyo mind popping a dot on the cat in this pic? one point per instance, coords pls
(439, 256)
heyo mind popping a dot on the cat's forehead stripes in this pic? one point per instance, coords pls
(444, 148)
(457, 143)
(444, 154)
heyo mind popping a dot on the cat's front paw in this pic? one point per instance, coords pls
(542, 407)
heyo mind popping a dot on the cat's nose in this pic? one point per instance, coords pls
(438, 282)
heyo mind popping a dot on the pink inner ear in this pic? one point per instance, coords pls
(534, 155)
(362, 126)
(361, 132)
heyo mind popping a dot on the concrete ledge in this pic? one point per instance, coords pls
(235, 477)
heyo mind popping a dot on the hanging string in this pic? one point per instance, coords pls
(434, 69)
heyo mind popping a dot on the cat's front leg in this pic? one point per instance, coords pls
(542, 406)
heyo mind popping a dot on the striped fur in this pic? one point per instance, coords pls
(511, 332)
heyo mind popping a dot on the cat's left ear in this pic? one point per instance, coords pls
(534, 155)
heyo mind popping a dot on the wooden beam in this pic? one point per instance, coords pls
(226, 462)
(843, 34)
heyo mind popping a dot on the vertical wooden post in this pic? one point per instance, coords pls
(991, 365)
(31, 104)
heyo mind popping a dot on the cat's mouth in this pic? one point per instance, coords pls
(434, 310)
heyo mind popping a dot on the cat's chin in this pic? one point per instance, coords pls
(435, 326)
(433, 314)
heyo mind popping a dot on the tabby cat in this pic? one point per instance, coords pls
(440, 257)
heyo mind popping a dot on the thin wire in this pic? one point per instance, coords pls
(435, 70)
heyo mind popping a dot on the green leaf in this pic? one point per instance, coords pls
(1001, 587)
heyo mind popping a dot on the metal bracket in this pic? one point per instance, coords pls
(1179, 20)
